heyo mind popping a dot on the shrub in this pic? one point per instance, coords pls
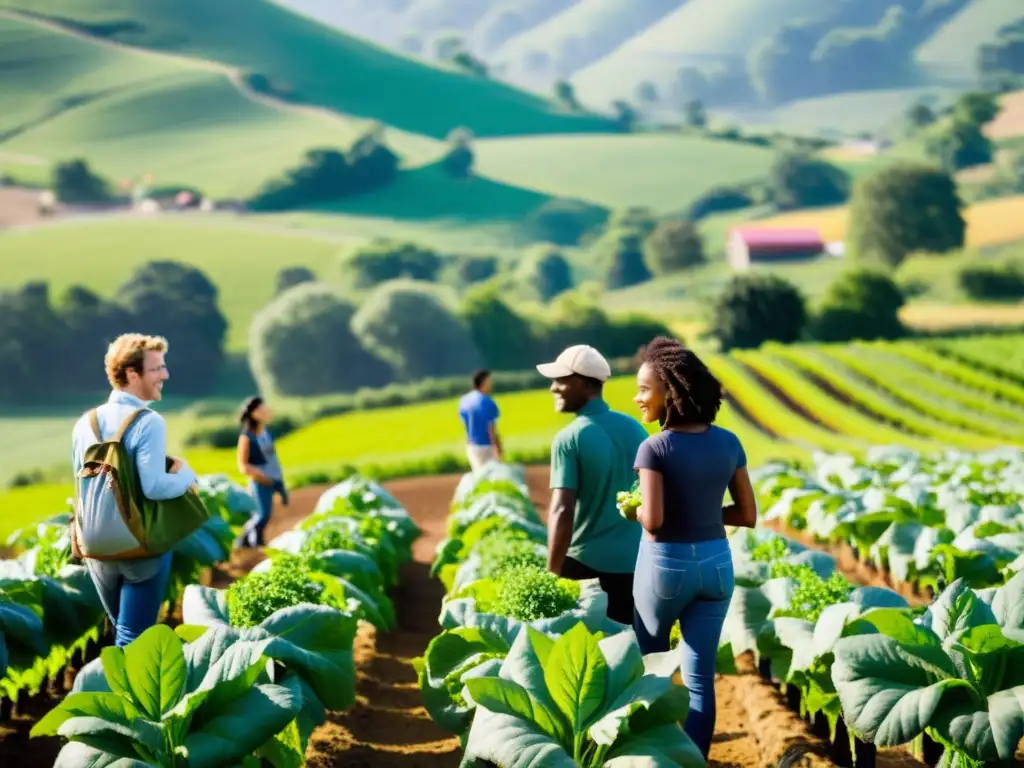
(409, 326)
(673, 247)
(626, 266)
(753, 309)
(860, 304)
(292, 276)
(801, 181)
(996, 282)
(545, 272)
(301, 344)
(382, 260)
(564, 222)
(74, 182)
(503, 337)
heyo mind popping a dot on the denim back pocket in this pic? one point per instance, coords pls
(668, 582)
(726, 579)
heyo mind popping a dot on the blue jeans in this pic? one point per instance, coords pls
(252, 533)
(131, 592)
(692, 583)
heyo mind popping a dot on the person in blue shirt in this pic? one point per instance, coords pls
(479, 414)
(131, 591)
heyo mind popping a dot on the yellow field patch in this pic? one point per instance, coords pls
(938, 317)
(989, 223)
(1010, 122)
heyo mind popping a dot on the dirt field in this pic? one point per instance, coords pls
(388, 726)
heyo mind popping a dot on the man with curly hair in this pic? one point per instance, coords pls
(132, 590)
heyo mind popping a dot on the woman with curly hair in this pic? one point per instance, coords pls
(684, 568)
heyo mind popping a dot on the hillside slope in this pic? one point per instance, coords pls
(317, 65)
(130, 111)
(576, 37)
(949, 55)
(698, 33)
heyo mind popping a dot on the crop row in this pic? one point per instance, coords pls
(252, 669)
(891, 674)
(527, 668)
(50, 614)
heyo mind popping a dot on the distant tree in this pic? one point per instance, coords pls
(904, 208)
(546, 272)
(960, 141)
(302, 345)
(408, 325)
(566, 95)
(719, 200)
(860, 304)
(694, 114)
(458, 160)
(626, 265)
(179, 302)
(673, 247)
(754, 308)
(292, 276)
(90, 323)
(647, 92)
(992, 282)
(74, 182)
(475, 269)
(637, 219)
(625, 115)
(563, 222)
(469, 63)
(920, 115)
(324, 175)
(381, 260)
(798, 180)
(503, 337)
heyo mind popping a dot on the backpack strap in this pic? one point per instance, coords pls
(128, 423)
(94, 422)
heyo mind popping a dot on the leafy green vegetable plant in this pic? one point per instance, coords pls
(160, 702)
(628, 502)
(289, 582)
(580, 700)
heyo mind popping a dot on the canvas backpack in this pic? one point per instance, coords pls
(113, 519)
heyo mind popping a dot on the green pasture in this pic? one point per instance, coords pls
(132, 112)
(385, 437)
(783, 402)
(323, 66)
(665, 172)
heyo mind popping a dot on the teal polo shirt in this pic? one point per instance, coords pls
(594, 456)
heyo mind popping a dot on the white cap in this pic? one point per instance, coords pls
(582, 360)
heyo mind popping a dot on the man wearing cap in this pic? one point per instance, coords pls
(591, 461)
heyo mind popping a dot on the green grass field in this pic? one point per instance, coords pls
(665, 172)
(785, 402)
(322, 66)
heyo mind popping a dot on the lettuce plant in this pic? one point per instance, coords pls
(580, 700)
(160, 702)
(288, 582)
(956, 674)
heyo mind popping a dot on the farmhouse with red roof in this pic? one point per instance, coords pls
(748, 245)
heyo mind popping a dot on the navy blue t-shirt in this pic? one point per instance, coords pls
(697, 468)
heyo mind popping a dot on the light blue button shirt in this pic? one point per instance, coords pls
(146, 441)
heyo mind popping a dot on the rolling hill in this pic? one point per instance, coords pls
(316, 65)
(949, 55)
(131, 111)
(663, 171)
(574, 38)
